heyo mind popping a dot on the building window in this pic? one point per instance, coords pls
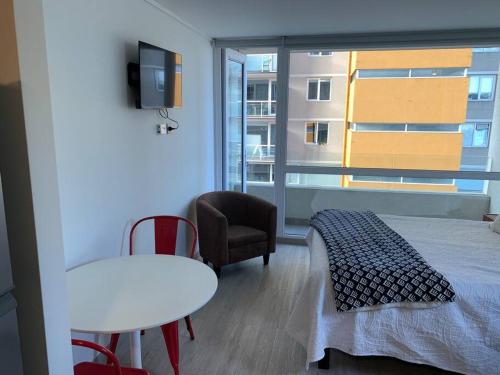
(318, 89)
(432, 128)
(262, 62)
(486, 49)
(261, 98)
(404, 180)
(316, 133)
(378, 127)
(481, 87)
(423, 180)
(366, 127)
(320, 53)
(376, 179)
(260, 141)
(438, 72)
(383, 73)
(476, 134)
(257, 90)
(411, 73)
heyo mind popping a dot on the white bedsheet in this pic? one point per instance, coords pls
(463, 336)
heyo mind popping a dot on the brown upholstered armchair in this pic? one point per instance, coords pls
(233, 227)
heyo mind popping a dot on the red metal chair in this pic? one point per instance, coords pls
(112, 368)
(165, 231)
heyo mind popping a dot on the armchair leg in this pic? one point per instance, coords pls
(324, 363)
(217, 271)
(189, 326)
(266, 259)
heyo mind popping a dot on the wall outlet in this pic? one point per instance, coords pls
(161, 129)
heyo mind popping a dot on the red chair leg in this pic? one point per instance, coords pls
(171, 337)
(189, 326)
(113, 344)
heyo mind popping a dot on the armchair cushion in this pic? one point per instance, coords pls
(238, 235)
(247, 251)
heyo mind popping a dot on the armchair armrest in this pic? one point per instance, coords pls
(262, 215)
(212, 233)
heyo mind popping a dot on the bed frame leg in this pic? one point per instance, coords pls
(324, 363)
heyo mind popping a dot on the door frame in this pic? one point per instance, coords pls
(226, 56)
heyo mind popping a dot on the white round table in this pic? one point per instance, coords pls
(131, 293)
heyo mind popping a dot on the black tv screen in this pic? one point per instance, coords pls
(160, 77)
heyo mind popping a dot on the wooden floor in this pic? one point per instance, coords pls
(241, 330)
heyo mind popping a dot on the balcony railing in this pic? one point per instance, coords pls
(260, 108)
(260, 152)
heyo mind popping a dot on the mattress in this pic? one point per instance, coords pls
(463, 336)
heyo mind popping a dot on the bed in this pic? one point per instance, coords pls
(462, 336)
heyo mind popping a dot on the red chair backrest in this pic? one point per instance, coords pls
(101, 349)
(165, 231)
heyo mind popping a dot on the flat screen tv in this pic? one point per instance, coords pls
(159, 78)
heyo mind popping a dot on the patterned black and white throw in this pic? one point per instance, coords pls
(371, 264)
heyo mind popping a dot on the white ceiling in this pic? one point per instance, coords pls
(250, 18)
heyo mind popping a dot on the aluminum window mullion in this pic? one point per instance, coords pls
(218, 121)
(281, 136)
(269, 94)
(384, 172)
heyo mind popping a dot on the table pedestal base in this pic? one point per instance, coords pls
(135, 349)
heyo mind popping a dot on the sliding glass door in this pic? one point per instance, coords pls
(249, 115)
(261, 122)
(234, 120)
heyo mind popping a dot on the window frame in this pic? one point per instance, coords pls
(315, 134)
(401, 181)
(410, 73)
(318, 90)
(343, 42)
(353, 126)
(475, 124)
(269, 100)
(254, 82)
(269, 125)
(493, 87)
(269, 129)
(274, 63)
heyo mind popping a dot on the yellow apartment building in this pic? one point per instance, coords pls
(403, 110)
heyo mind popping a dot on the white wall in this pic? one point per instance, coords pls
(112, 165)
(29, 175)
